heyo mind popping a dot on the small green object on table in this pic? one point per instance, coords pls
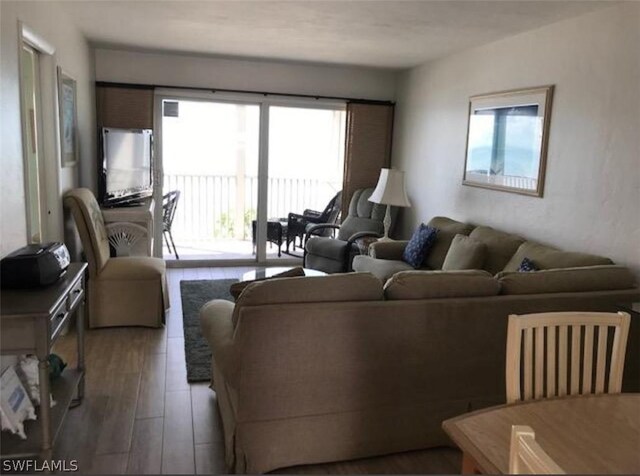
(56, 366)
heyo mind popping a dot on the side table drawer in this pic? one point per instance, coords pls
(75, 294)
(58, 319)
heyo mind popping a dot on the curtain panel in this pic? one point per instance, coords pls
(123, 107)
(368, 146)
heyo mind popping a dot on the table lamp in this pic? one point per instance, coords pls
(390, 192)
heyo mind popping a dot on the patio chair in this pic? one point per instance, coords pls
(169, 203)
(297, 224)
(334, 255)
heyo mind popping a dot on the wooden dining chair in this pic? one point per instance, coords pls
(526, 456)
(565, 353)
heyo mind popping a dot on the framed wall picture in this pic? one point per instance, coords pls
(67, 107)
(507, 138)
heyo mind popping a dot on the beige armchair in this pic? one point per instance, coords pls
(129, 291)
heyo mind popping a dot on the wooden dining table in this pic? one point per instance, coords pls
(586, 434)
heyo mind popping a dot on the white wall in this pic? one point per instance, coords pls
(592, 192)
(249, 75)
(74, 55)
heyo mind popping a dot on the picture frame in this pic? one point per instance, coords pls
(507, 140)
(68, 119)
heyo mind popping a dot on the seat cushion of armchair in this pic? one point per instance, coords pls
(133, 269)
(327, 247)
(382, 269)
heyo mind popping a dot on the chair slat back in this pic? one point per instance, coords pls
(526, 456)
(565, 353)
(169, 204)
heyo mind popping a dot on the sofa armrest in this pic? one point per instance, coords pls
(217, 327)
(387, 249)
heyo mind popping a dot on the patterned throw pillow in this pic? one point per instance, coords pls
(527, 266)
(419, 246)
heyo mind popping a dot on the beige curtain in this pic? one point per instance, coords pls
(368, 147)
(124, 107)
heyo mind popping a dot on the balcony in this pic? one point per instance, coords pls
(214, 214)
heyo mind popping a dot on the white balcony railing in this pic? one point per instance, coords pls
(217, 206)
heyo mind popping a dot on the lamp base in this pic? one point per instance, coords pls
(387, 224)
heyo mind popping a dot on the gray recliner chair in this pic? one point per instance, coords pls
(334, 255)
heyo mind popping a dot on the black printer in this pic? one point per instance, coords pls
(34, 265)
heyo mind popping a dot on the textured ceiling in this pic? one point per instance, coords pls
(387, 34)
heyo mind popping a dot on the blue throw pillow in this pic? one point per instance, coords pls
(419, 246)
(527, 266)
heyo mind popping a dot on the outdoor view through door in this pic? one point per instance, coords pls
(210, 153)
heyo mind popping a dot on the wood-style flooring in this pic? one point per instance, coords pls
(141, 416)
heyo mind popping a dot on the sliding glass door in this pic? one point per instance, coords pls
(210, 156)
(240, 168)
(306, 161)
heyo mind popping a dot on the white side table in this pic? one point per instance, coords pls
(141, 215)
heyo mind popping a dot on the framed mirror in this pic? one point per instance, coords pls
(507, 139)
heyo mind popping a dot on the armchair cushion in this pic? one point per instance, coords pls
(133, 269)
(352, 225)
(327, 247)
(465, 253)
(90, 223)
(419, 245)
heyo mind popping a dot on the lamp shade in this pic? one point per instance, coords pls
(390, 189)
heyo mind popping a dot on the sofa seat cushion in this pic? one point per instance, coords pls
(440, 284)
(312, 289)
(382, 269)
(464, 253)
(547, 257)
(447, 230)
(327, 248)
(501, 247)
(567, 280)
(133, 268)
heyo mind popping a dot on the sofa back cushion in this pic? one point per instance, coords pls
(447, 230)
(501, 247)
(312, 289)
(440, 284)
(464, 253)
(567, 280)
(547, 257)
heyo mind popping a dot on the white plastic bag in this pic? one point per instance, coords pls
(30, 377)
(15, 404)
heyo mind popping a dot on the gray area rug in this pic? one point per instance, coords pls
(196, 294)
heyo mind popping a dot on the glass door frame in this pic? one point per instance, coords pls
(253, 99)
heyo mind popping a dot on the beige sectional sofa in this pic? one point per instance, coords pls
(317, 369)
(503, 252)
